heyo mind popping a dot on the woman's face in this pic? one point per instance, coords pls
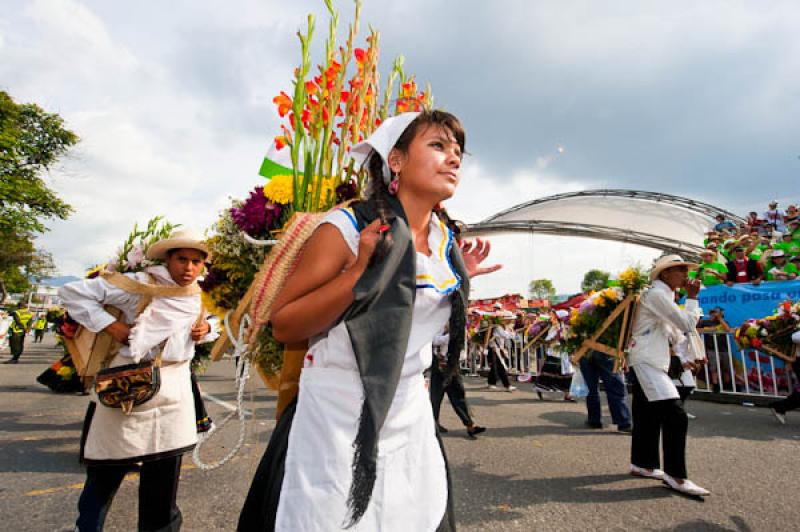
(430, 168)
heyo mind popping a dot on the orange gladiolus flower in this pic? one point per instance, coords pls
(283, 102)
(311, 87)
(361, 56)
(281, 142)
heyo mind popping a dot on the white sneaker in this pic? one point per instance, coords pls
(656, 474)
(491, 387)
(687, 487)
(780, 417)
(689, 415)
(511, 388)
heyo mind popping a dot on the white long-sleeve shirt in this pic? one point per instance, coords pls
(658, 320)
(169, 320)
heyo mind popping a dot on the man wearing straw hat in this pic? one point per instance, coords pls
(159, 431)
(657, 410)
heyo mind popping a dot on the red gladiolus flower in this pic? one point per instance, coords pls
(345, 96)
(311, 87)
(283, 102)
(281, 142)
(361, 56)
(755, 342)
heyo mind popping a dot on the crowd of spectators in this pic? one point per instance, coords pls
(766, 247)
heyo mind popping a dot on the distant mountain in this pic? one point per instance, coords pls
(60, 281)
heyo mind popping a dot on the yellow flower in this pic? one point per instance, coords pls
(279, 189)
(65, 372)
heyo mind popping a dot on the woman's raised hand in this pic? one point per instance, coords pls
(474, 253)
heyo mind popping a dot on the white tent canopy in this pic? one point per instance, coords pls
(670, 223)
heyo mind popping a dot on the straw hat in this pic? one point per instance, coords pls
(178, 239)
(669, 261)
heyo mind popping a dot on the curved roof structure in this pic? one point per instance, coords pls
(670, 223)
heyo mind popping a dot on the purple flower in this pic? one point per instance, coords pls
(256, 214)
(213, 279)
(586, 307)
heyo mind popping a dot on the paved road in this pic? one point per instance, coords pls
(536, 469)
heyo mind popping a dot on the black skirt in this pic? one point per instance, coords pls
(261, 505)
(550, 375)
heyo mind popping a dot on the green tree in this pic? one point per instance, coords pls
(31, 141)
(541, 289)
(594, 280)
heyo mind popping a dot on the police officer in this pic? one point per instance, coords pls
(39, 327)
(20, 325)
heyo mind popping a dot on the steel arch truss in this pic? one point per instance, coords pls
(597, 232)
(656, 197)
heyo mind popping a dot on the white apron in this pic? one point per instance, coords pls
(164, 424)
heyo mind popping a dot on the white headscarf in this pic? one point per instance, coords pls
(381, 141)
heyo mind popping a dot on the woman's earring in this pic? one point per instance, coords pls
(394, 185)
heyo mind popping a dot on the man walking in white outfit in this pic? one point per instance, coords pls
(657, 409)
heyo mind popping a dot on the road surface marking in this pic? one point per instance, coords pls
(224, 404)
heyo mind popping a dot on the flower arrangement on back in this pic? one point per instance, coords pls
(586, 319)
(772, 334)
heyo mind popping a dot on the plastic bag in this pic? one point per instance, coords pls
(577, 387)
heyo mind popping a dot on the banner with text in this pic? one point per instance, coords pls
(743, 301)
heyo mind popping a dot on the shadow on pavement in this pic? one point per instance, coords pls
(494, 504)
(48, 455)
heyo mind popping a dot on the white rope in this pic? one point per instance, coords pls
(258, 243)
(242, 375)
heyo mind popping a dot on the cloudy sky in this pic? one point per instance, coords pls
(172, 101)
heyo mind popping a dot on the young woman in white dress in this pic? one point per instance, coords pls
(358, 448)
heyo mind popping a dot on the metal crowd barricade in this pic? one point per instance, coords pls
(521, 357)
(731, 370)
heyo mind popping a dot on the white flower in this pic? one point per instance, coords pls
(135, 256)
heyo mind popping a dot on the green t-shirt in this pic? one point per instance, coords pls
(709, 279)
(790, 248)
(757, 252)
(772, 269)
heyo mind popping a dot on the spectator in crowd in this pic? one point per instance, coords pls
(788, 244)
(759, 244)
(727, 249)
(710, 271)
(716, 348)
(793, 227)
(774, 216)
(752, 219)
(777, 268)
(791, 214)
(723, 225)
(743, 270)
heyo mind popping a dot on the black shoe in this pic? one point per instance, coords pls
(626, 430)
(442, 429)
(591, 425)
(12, 361)
(475, 430)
